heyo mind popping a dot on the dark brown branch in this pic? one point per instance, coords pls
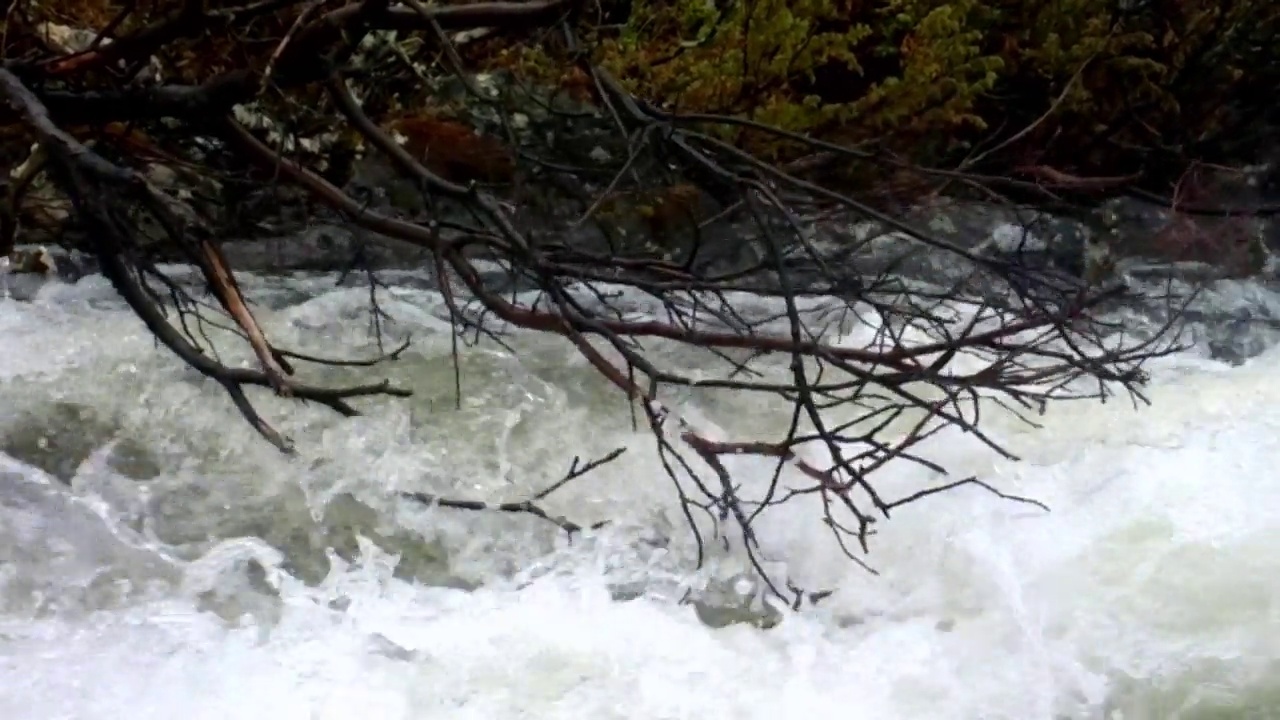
(1031, 337)
(528, 507)
(91, 182)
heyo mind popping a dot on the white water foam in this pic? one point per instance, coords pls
(1150, 591)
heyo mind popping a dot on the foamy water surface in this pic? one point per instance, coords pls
(226, 584)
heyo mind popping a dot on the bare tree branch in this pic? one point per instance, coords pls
(925, 357)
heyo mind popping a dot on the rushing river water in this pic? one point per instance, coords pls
(158, 560)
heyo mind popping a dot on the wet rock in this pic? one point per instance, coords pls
(1231, 247)
(380, 644)
(719, 616)
(1123, 237)
(1029, 236)
(1031, 239)
(285, 521)
(735, 601)
(29, 268)
(324, 247)
(23, 288)
(58, 437)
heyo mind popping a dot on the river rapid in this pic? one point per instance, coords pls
(159, 561)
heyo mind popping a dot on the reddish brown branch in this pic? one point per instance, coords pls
(227, 290)
(1051, 177)
(1039, 339)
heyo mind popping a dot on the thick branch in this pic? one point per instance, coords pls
(91, 181)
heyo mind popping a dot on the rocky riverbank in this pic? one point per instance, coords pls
(1127, 237)
(272, 229)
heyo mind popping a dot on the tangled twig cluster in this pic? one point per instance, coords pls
(1007, 333)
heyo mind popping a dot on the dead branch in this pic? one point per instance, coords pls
(92, 182)
(1002, 332)
(576, 470)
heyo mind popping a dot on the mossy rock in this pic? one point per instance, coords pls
(58, 437)
(720, 616)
